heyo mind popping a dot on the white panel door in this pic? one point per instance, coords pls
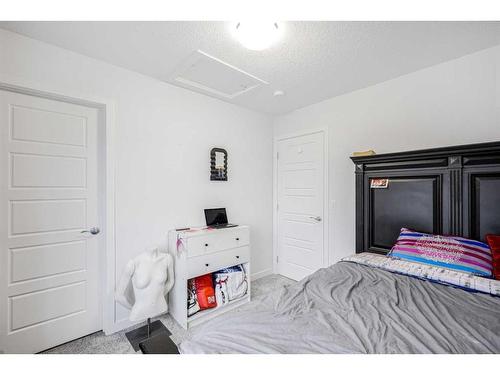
(300, 198)
(49, 275)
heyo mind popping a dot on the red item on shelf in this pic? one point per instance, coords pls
(205, 291)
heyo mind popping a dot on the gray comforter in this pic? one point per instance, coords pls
(351, 308)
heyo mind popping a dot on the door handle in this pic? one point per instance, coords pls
(93, 231)
(317, 218)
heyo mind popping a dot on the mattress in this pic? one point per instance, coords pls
(356, 308)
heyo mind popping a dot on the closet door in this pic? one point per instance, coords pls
(301, 205)
(49, 277)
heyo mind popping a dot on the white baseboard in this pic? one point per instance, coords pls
(260, 274)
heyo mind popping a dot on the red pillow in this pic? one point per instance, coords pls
(494, 244)
(205, 291)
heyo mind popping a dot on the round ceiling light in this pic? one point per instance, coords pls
(257, 35)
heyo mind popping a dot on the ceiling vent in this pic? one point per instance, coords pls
(207, 74)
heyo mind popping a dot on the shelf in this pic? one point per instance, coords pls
(203, 315)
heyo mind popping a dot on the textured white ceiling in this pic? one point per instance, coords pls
(314, 61)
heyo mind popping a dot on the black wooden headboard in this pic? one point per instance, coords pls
(450, 190)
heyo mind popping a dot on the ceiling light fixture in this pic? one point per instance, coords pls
(257, 35)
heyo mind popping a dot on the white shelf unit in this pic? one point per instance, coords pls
(205, 251)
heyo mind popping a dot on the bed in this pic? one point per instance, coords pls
(368, 303)
(354, 308)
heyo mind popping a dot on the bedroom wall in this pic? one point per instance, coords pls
(456, 102)
(163, 138)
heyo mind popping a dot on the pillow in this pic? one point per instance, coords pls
(494, 242)
(455, 253)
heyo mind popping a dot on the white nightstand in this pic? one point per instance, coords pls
(200, 252)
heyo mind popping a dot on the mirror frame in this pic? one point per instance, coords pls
(214, 173)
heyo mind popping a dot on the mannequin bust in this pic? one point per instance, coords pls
(145, 283)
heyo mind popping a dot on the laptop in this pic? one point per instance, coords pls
(217, 218)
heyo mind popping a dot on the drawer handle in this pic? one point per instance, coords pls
(237, 239)
(206, 264)
(237, 257)
(206, 244)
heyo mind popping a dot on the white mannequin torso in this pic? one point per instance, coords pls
(151, 277)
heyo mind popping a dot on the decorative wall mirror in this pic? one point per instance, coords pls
(218, 164)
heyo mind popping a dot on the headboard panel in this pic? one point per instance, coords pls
(450, 190)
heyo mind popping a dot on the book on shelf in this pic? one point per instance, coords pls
(363, 153)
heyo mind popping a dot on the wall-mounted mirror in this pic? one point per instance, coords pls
(218, 164)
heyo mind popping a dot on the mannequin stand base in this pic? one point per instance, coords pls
(159, 344)
(150, 330)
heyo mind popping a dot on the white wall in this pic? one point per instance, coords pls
(163, 138)
(457, 102)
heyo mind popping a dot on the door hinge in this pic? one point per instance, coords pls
(277, 206)
(277, 258)
(277, 156)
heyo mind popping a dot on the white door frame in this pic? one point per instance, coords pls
(326, 229)
(106, 191)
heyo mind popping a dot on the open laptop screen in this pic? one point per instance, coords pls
(215, 216)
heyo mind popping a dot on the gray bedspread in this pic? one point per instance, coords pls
(351, 308)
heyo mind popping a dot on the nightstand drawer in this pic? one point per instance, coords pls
(235, 237)
(213, 262)
(197, 246)
(217, 240)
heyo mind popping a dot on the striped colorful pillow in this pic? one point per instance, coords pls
(455, 253)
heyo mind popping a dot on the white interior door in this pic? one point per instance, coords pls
(49, 286)
(300, 198)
